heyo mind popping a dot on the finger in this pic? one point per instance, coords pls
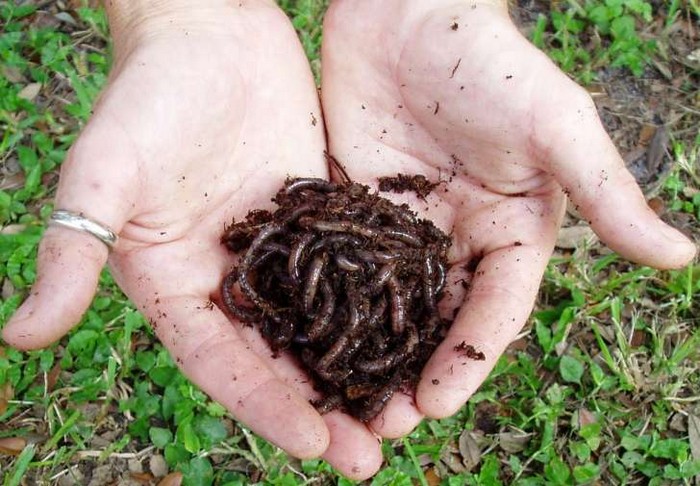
(353, 450)
(214, 356)
(68, 268)
(399, 417)
(585, 162)
(499, 301)
(355, 453)
(69, 262)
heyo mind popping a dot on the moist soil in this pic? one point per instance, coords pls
(346, 281)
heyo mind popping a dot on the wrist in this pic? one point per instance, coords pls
(132, 20)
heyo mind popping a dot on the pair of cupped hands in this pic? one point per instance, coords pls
(211, 105)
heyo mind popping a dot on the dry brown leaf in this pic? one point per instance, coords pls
(12, 446)
(450, 461)
(657, 205)
(12, 74)
(12, 181)
(585, 417)
(158, 466)
(6, 394)
(646, 134)
(694, 435)
(52, 376)
(469, 449)
(431, 477)
(596, 91)
(30, 91)
(678, 423)
(575, 237)
(172, 479)
(513, 442)
(142, 477)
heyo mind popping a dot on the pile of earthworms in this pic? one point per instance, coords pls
(345, 280)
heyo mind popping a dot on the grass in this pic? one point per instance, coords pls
(603, 385)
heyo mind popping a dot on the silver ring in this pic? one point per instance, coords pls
(78, 222)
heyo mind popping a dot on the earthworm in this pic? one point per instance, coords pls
(296, 253)
(342, 342)
(245, 314)
(335, 239)
(404, 237)
(398, 305)
(267, 232)
(362, 332)
(381, 278)
(316, 184)
(320, 326)
(344, 263)
(339, 227)
(429, 282)
(312, 279)
(378, 256)
(388, 361)
(328, 403)
(376, 403)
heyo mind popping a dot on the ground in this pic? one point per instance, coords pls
(600, 388)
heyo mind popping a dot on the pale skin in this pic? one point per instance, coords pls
(211, 105)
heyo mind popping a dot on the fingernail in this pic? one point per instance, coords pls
(673, 234)
(24, 311)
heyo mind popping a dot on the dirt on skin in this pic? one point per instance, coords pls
(403, 183)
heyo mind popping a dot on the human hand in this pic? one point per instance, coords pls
(451, 90)
(209, 107)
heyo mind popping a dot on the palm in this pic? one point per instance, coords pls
(452, 91)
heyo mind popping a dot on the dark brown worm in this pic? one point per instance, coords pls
(296, 253)
(381, 278)
(344, 263)
(312, 278)
(320, 326)
(398, 305)
(339, 346)
(321, 185)
(340, 277)
(245, 314)
(340, 227)
(377, 401)
(378, 256)
(390, 360)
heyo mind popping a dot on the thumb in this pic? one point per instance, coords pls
(586, 163)
(93, 182)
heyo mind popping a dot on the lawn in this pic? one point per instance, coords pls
(601, 387)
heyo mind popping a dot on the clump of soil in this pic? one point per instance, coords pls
(348, 282)
(403, 182)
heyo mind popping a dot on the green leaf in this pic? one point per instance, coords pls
(210, 430)
(623, 27)
(571, 369)
(557, 471)
(145, 360)
(160, 437)
(673, 449)
(198, 472)
(544, 336)
(175, 454)
(586, 473)
(46, 359)
(83, 341)
(162, 375)
(188, 437)
(21, 465)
